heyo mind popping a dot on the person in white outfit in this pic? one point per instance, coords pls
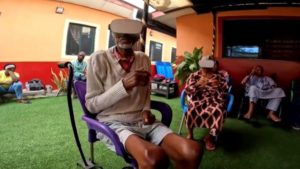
(258, 86)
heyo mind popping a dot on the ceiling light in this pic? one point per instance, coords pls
(59, 10)
(160, 4)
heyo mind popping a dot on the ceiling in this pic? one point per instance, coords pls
(164, 18)
(123, 8)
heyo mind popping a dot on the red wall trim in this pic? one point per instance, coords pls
(42, 71)
(32, 70)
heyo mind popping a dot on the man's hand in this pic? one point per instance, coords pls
(202, 81)
(253, 71)
(215, 84)
(13, 76)
(148, 118)
(136, 78)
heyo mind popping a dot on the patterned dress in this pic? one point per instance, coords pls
(206, 102)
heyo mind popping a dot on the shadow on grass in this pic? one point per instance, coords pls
(236, 140)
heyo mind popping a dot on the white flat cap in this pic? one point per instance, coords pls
(126, 26)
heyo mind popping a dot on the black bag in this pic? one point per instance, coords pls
(158, 78)
(35, 84)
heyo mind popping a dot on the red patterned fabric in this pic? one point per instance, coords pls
(206, 105)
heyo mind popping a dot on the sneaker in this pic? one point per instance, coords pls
(23, 101)
(296, 127)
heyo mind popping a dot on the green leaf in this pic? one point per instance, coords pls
(200, 53)
(189, 65)
(188, 57)
(193, 67)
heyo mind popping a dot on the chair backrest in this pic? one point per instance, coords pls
(183, 103)
(168, 70)
(164, 69)
(80, 88)
(230, 100)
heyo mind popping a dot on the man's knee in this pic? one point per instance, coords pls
(192, 151)
(17, 85)
(252, 88)
(154, 157)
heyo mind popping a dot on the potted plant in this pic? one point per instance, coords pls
(187, 64)
(60, 80)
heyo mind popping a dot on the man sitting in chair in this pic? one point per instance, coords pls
(79, 67)
(118, 91)
(9, 82)
(259, 86)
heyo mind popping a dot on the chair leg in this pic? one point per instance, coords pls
(181, 123)
(91, 162)
(241, 108)
(280, 111)
(92, 152)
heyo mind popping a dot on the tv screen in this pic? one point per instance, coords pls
(243, 51)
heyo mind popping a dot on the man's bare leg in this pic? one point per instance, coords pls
(249, 113)
(147, 155)
(184, 152)
(273, 117)
(190, 133)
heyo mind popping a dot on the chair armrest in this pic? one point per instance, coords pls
(100, 127)
(164, 109)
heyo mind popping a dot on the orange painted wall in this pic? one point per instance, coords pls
(196, 30)
(32, 31)
(31, 35)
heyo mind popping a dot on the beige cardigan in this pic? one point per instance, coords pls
(106, 94)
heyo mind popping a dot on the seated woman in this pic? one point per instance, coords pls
(206, 90)
(259, 86)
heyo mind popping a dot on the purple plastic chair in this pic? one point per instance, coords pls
(94, 125)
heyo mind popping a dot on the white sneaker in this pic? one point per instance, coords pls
(296, 127)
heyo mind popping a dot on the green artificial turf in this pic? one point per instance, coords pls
(39, 136)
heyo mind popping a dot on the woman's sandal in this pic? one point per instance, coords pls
(209, 145)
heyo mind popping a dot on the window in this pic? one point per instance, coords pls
(155, 51)
(173, 55)
(111, 41)
(80, 38)
(275, 38)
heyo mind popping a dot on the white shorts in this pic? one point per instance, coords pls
(153, 133)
